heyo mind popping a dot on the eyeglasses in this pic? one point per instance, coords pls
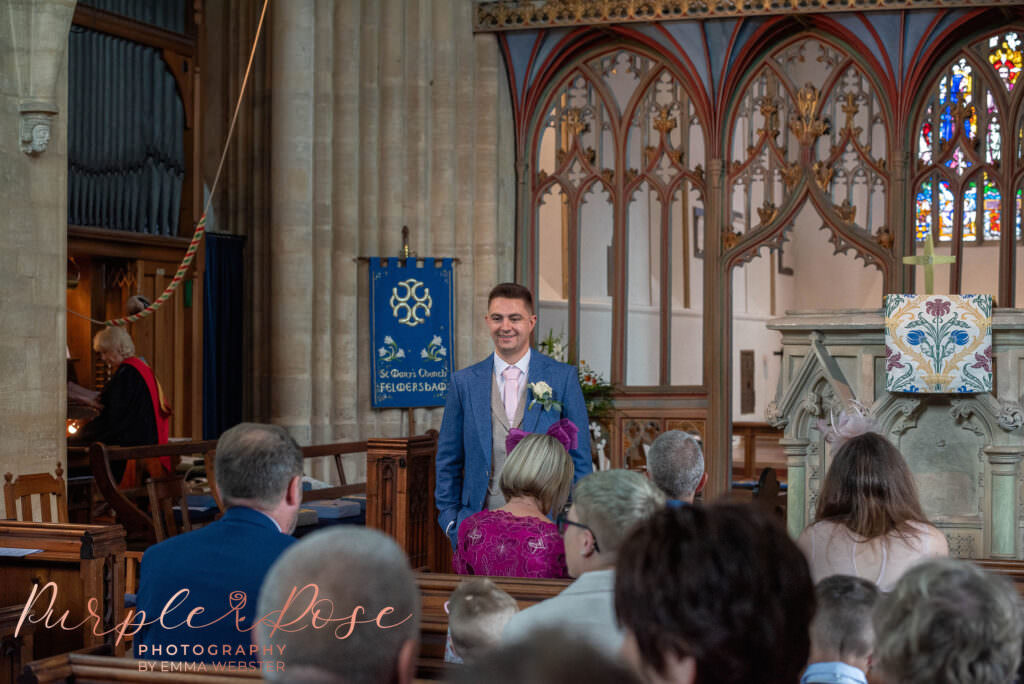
(563, 522)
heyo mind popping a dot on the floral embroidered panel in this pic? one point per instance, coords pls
(938, 344)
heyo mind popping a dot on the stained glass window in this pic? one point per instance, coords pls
(1020, 210)
(993, 138)
(992, 209)
(962, 131)
(968, 223)
(958, 161)
(954, 101)
(1005, 57)
(926, 199)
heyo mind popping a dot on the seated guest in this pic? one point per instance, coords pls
(948, 622)
(842, 638)
(869, 521)
(259, 475)
(339, 570)
(547, 656)
(606, 506)
(477, 613)
(717, 594)
(518, 539)
(134, 410)
(675, 463)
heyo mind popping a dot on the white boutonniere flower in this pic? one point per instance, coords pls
(543, 395)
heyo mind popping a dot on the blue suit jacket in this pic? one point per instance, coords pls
(464, 445)
(231, 554)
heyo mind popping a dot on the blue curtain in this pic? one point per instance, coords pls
(222, 333)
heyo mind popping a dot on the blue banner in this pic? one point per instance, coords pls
(411, 326)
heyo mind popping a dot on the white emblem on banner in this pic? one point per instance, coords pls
(411, 308)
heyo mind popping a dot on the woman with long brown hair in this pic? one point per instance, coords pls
(869, 522)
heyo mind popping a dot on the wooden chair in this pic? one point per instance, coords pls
(43, 485)
(163, 495)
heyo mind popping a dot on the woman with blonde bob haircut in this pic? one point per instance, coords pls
(869, 521)
(519, 539)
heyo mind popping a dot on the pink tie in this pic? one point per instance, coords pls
(511, 395)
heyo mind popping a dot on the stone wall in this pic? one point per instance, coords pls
(33, 242)
(381, 114)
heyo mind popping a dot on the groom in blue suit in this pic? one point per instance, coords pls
(487, 398)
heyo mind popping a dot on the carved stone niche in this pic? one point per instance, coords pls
(964, 450)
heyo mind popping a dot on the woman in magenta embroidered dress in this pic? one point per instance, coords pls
(518, 539)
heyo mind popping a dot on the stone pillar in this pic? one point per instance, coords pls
(385, 113)
(796, 484)
(33, 240)
(1004, 466)
(291, 230)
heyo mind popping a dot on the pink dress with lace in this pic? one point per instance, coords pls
(501, 544)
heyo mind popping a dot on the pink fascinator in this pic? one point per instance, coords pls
(565, 431)
(851, 422)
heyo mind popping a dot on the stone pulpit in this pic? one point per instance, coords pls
(964, 450)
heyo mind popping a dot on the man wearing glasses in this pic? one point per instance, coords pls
(606, 505)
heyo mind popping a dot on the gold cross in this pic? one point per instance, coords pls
(928, 260)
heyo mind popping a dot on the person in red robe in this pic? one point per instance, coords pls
(135, 411)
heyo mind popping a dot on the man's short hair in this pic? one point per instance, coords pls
(478, 611)
(545, 656)
(841, 629)
(676, 463)
(511, 291)
(256, 462)
(723, 584)
(612, 502)
(347, 567)
(947, 621)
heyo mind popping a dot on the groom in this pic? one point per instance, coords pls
(489, 397)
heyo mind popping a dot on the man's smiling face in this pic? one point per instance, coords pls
(510, 323)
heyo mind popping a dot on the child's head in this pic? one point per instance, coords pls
(478, 611)
(841, 630)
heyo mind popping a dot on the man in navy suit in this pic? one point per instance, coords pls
(515, 387)
(222, 565)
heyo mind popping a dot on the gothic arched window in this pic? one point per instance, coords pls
(616, 194)
(967, 185)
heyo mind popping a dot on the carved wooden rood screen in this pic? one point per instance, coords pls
(659, 152)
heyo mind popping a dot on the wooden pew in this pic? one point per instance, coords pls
(96, 666)
(15, 651)
(137, 522)
(436, 588)
(1011, 569)
(399, 489)
(83, 561)
(88, 667)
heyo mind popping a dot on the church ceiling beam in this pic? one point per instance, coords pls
(511, 15)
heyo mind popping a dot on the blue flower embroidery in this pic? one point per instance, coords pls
(912, 388)
(963, 389)
(915, 337)
(960, 337)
